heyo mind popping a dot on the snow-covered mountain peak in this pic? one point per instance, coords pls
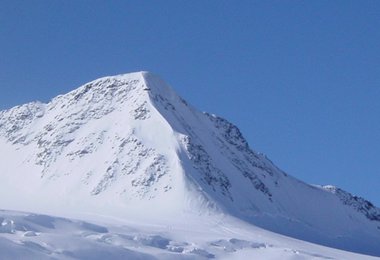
(129, 146)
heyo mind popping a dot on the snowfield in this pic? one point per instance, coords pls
(34, 236)
(153, 177)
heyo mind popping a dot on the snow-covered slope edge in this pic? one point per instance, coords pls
(128, 146)
(36, 236)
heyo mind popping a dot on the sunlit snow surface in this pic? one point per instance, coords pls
(129, 147)
(34, 236)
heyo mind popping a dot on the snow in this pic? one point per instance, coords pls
(127, 148)
(35, 236)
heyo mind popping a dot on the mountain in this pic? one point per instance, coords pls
(128, 146)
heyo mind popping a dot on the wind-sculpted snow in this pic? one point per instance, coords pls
(36, 236)
(128, 146)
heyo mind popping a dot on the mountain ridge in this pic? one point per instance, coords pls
(127, 143)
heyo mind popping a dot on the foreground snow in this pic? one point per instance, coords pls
(35, 236)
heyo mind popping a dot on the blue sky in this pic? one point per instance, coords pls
(301, 79)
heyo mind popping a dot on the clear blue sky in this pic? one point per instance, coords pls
(300, 78)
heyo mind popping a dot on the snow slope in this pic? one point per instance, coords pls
(127, 146)
(36, 236)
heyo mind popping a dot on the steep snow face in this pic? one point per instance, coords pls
(128, 146)
(214, 154)
(358, 203)
(95, 146)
